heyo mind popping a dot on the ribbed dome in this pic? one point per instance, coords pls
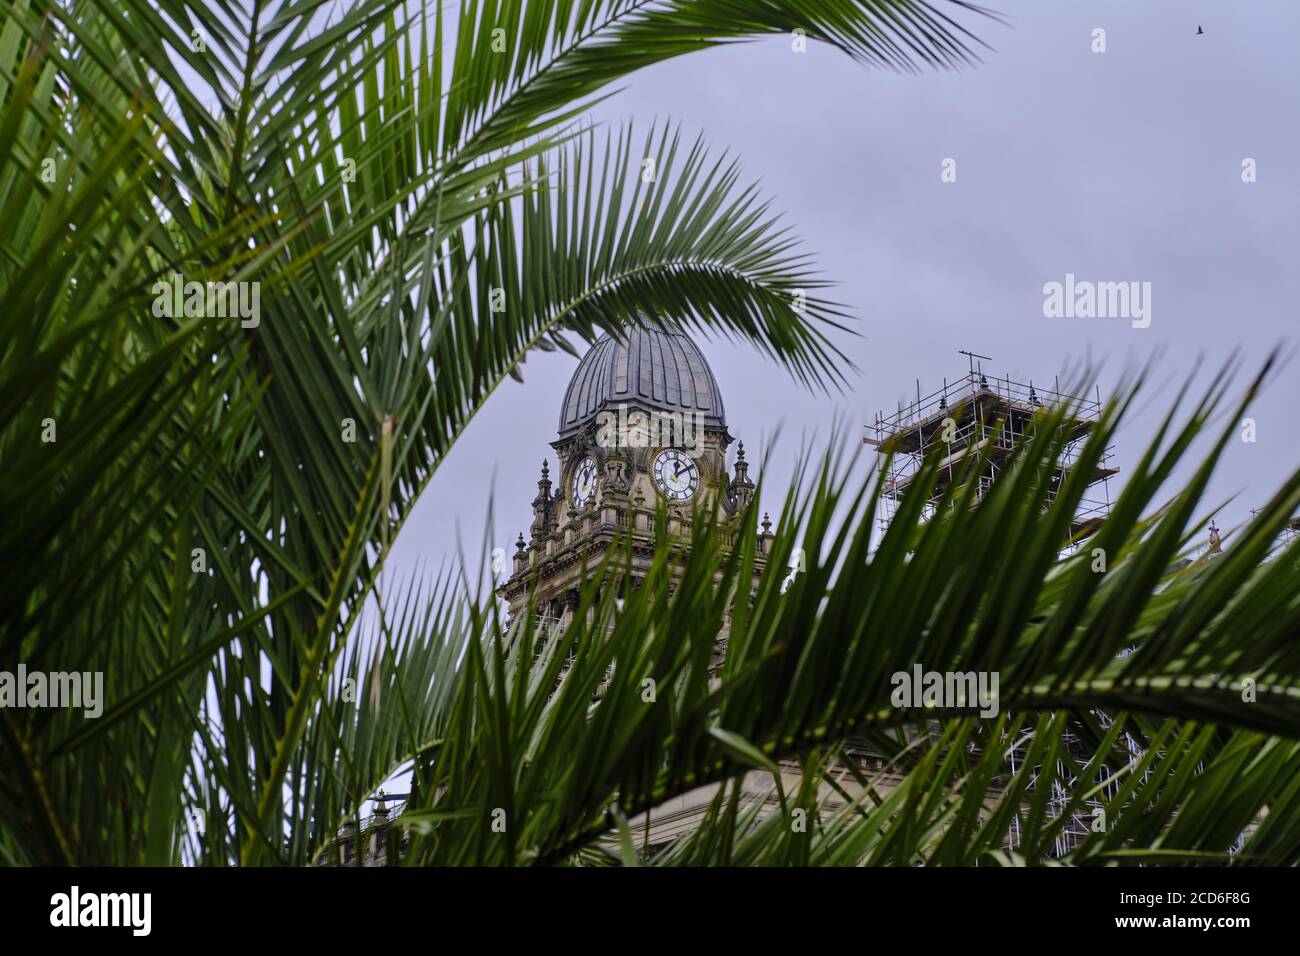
(652, 366)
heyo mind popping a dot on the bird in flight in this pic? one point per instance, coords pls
(1199, 31)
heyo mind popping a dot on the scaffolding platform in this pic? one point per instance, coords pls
(976, 415)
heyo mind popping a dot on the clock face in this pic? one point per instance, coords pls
(675, 474)
(584, 483)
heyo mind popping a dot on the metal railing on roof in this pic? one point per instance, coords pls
(1026, 396)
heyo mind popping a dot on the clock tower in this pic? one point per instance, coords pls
(641, 427)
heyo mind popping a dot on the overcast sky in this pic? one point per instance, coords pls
(1115, 166)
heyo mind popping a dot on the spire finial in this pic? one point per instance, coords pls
(767, 523)
(740, 490)
(519, 544)
(546, 468)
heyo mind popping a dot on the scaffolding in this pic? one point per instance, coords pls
(1290, 531)
(1074, 820)
(974, 415)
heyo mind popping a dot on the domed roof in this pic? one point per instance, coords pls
(651, 366)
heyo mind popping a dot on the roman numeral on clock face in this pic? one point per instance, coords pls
(675, 474)
(584, 483)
